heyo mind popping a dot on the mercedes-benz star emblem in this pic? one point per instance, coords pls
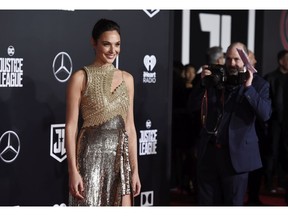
(9, 146)
(62, 66)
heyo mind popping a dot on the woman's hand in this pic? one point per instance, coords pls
(136, 185)
(76, 185)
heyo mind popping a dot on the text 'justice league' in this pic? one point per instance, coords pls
(11, 73)
(148, 142)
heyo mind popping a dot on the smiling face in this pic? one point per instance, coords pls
(107, 47)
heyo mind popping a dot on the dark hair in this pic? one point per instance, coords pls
(102, 26)
(189, 65)
(281, 54)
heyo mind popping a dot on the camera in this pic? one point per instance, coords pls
(220, 77)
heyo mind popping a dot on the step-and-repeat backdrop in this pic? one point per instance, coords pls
(263, 31)
(39, 49)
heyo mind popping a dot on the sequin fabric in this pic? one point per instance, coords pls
(102, 145)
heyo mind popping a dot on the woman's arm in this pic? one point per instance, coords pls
(73, 98)
(132, 136)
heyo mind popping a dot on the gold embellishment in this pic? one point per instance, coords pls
(98, 103)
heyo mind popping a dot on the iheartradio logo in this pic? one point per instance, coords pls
(149, 62)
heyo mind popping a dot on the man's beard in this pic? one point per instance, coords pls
(232, 71)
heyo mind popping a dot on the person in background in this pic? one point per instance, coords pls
(277, 162)
(228, 148)
(189, 133)
(181, 136)
(214, 55)
(252, 58)
(102, 157)
(255, 176)
(178, 85)
(189, 75)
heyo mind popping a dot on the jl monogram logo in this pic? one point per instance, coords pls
(57, 142)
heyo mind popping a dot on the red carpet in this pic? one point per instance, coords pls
(178, 198)
(272, 200)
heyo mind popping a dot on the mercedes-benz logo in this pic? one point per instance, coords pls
(62, 66)
(9, 146)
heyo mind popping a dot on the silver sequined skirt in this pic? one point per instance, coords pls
(103, 163)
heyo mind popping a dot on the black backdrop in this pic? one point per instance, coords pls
(33, 167)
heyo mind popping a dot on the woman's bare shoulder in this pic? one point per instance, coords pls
(127, 76)
(78, 75)
(77, 78)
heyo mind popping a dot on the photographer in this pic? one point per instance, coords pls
(228, 149)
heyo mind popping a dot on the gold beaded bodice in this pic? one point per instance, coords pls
(98, 103)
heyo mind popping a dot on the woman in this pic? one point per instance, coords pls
(102, 158)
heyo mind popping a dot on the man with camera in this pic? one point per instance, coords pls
(233, 97)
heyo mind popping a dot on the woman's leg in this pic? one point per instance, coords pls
(126, 200)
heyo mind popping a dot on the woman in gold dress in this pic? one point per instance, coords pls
(102, 157)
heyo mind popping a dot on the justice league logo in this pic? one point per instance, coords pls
(57, 142)
(148, 140)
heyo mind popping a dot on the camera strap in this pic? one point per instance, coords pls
(204, 112)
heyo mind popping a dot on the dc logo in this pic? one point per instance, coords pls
(147, 198)
(148, 124)
(149, 62)
(57, 142)
(9, 146)
(62, 66)
(10, 50)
